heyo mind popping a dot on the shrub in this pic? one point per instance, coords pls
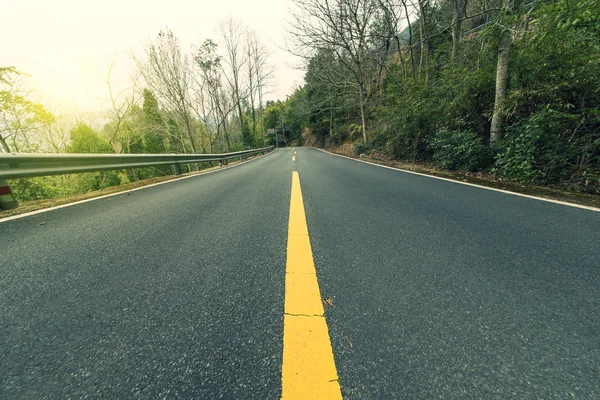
(460, 150)
(361, 148)
(554, 148)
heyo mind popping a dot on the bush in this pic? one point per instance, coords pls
(361, 148)
(26, 189)
(553, 148)
(461, 151)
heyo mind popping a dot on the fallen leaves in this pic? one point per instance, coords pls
(349, 342)
(327, 302)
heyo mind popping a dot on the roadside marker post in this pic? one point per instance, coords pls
(176, 169)
(7, 199)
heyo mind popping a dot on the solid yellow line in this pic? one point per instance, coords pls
(308, 370)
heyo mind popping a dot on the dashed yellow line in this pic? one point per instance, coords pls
(308, 370)
(293, 158)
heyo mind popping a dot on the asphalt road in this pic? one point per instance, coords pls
(440, 290)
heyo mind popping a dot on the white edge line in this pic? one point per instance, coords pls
(564, 203)
(28, 214)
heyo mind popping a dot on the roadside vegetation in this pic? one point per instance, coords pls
(507, 88)
(206, 99)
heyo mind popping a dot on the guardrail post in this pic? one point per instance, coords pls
(7, 200)
(176, 169)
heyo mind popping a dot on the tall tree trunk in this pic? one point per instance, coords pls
(362, 113)
(239, 107)
(262, 119)
(331, 120)
(423, 36)
(501, 77)
(253, 120)
(190, 132)
(460, 7)
(227, 140)
(400, 56)
(410, 39)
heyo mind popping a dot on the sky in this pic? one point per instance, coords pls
(67, 46)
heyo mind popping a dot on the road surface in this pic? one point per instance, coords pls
(433, 289)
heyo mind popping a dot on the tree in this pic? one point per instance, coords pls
(85, 140)
(232, 33)
(156, 135)
(341, 26)
(122, 105)
(20, 118)
(166, 71)
(213, 100)
(501, 74)
(259, 77)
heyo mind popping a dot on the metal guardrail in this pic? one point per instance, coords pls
(20, 165)
(29, 165)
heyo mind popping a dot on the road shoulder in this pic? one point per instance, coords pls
(578, 200)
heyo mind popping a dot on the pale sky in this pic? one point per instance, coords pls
(67, 46)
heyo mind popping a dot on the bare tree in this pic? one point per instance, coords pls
(214, 102)
(260, 74)
(232, 33)
(342, 26)
(122, 104)
(166, 71)
(55, 136)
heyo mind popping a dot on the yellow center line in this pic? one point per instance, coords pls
(308, 370)
(293, 158)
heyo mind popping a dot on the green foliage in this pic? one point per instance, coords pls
(543, 149)
(20, 118)
(361, 148)
(34, 188)
(289, 117)
(408, 119)
(247, 135)
(441, 113)
(553, 106)
(460, 150)
(85, 140)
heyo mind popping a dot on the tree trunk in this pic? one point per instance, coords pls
(501, 77)
(262, 117)
(423, 36)
(459, 14)
(190, 134)
(331, 119)
(362, 114)
(227, 137)
(4, 144)
(410, 41)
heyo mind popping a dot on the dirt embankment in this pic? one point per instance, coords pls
(309, 140)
